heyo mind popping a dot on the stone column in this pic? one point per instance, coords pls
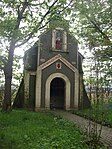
(38, 89)
(76, 91)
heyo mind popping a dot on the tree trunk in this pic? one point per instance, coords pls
(8, 78)
(7, 92)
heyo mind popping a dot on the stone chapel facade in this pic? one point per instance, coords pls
(53, 76)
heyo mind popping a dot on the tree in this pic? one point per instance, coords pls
(20, 22)
(94, 20)
(17, 75)
(92, 24)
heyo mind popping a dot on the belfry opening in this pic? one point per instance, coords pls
(57, 94)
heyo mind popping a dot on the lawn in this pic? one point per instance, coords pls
(21, 129)
(101, 113)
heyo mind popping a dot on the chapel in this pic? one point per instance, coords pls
(53, 75)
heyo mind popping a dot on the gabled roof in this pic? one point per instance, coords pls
(62, 59)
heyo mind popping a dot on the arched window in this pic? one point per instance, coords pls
(59, 40)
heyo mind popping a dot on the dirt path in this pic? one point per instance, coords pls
(106, 133)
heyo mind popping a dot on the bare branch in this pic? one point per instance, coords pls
(66, 6)
(109, 27)
(18, 45)
(38, 27)
(99, 30)
(20, 13)
(3, 59)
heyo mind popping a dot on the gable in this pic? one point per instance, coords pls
(56, 58)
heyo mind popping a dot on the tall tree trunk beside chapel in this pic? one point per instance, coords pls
(8, 78)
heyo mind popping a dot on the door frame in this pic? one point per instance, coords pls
(67, 90)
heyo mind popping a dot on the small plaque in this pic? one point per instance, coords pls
(58, 65)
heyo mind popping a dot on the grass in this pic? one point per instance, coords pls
(21, 129)
(101, 113)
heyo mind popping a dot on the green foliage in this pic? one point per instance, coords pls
(99, 73)
(16, 66)
(20, 20)
(101, 113)
(21, 130)
(93, 24)
(7, 27)
(94, 21)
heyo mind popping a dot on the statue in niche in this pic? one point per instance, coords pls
(58, 40)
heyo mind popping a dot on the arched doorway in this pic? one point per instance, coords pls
(57, 93)
(67, 89)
